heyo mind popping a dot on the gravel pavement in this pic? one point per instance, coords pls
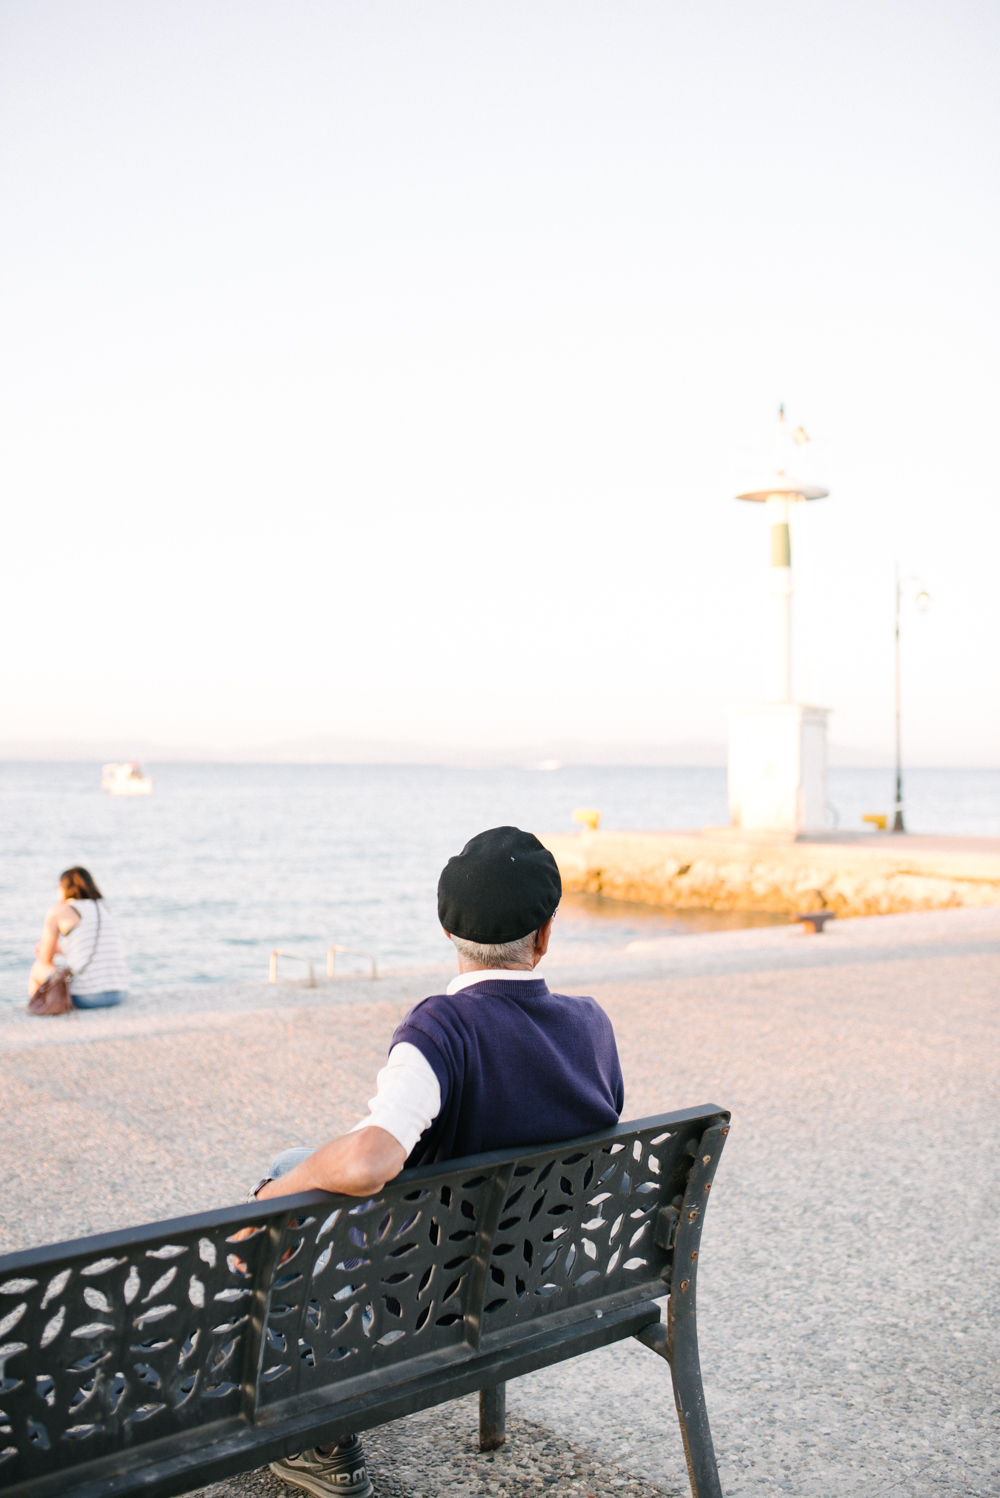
(849, 1295)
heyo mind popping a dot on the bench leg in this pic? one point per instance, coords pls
(492, 1416)
(682, 1324)
(678, 1340)
(677, 1344)
(689, 1397)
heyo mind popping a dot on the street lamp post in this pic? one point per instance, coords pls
(922, 600)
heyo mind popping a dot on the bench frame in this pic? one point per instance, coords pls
(254, 1425)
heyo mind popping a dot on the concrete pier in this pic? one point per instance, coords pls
(852, 874)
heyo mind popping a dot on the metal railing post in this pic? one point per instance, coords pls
(293, 957)
(331, 959)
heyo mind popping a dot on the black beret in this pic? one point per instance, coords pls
(502, 885)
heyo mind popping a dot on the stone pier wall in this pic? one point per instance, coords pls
(717, 870)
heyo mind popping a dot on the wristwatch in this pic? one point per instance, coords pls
(252, 1193)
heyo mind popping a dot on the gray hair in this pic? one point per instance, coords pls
(499, 954)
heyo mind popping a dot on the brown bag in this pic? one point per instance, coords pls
(52, 996)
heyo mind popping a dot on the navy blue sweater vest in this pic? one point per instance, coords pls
(517, 1065)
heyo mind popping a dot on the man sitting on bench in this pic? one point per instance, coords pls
(495, 1062)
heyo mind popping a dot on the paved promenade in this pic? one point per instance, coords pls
(849, 1292)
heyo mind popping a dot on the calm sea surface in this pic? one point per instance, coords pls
(224, 862)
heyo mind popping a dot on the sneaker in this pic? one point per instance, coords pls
(341, 1474)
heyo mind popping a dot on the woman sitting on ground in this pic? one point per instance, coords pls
(82, 929)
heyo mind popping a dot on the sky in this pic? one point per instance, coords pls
(386, 369)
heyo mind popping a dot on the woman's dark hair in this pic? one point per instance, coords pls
(78, 885)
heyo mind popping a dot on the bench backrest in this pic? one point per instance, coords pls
(145, 1335)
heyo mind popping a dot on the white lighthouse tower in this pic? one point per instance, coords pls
(777, 748)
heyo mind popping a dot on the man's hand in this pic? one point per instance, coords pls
(355, 1165)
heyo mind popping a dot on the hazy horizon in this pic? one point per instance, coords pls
(329, 751)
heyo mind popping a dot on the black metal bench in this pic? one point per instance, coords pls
(164, 1357)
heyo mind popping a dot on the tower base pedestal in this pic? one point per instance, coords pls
(777, 767)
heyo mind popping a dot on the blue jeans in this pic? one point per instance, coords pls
(99, 1000)
(280, 1166)
(288, 1159)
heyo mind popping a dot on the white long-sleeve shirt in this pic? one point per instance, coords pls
(408, 1096)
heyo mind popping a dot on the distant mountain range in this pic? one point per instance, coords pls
(335, 751)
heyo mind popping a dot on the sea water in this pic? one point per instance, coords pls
(223, 863)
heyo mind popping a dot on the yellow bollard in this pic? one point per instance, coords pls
(588, 817)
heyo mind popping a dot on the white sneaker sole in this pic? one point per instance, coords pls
(319, 1487)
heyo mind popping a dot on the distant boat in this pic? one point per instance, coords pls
(126, 780)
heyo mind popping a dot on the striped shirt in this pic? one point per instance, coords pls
(98, 957)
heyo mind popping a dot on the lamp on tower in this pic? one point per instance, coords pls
(777, 748)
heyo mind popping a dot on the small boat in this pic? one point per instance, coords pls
(126, 780)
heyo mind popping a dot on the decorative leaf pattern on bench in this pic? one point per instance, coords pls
(116, 1349)
(378, 1282)
(105, 1347)
(580, 1227)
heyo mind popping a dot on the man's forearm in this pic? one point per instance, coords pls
(355, 1165)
